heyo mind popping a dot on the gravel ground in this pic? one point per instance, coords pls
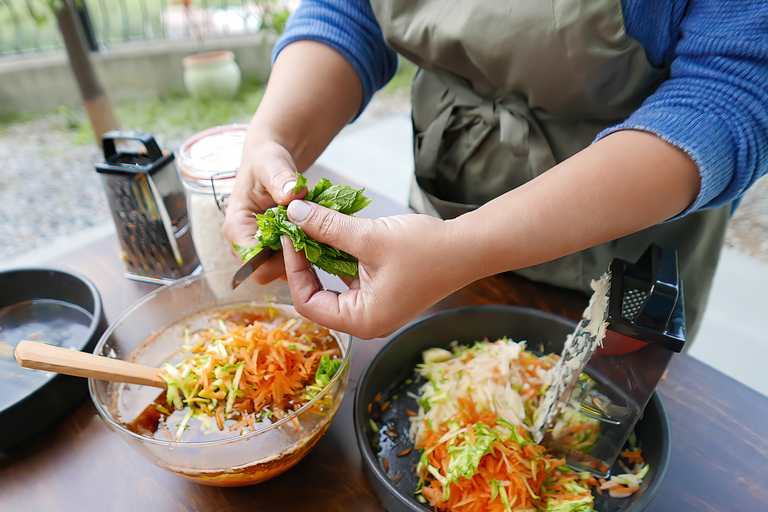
(49, 188)
(748, 229)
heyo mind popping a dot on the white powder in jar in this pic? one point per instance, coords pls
(205, 221)
(211, 155)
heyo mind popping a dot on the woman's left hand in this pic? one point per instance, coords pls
(405, 266)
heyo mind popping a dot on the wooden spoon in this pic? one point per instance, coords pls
(40, 356)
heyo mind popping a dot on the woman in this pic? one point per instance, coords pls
(550, 137)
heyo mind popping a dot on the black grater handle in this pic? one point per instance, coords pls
(665, 287)
(661, 317)
(108, 142)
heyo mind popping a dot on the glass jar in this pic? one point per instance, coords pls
(208, 163)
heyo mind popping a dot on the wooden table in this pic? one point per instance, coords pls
(719, 450)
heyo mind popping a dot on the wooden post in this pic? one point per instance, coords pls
(95, 99)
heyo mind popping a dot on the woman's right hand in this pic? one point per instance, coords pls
(312, 93)
(266, 178)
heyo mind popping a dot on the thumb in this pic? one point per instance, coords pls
(277, 173)
(341, 231)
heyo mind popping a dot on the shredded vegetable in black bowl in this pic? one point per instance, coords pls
(392, 398)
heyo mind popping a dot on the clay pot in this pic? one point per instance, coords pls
(211, 75)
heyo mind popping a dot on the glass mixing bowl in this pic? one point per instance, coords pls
(151, 331)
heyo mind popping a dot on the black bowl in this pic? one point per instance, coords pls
(389, 371)
(56, 307)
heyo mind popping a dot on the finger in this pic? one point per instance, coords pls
(296, 264)
(324, 225)
(239, 227)
(280, 178)
(308, 297)
(272, 269)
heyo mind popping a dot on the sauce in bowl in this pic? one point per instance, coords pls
(280, 345)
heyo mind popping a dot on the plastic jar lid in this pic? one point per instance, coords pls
(212, 154)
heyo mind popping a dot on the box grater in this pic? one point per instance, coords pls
(148, 206)
(611, 378)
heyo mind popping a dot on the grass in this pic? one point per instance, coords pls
(174, 115)
(401, 82)
(7, 118)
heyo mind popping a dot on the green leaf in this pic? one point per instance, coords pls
(274, 223)
(360, 202)
(326, 370)
(241, 251)
(337, 197)
(318, 189)
(342, 198)
(301, 183)
(247, 253)
(312, 250)
(338, 267)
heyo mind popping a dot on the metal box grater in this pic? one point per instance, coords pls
(646, 327)
(149, 208)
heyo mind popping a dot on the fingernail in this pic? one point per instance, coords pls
(298, 211)
(288, 187)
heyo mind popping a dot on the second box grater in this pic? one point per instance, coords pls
(611, 375)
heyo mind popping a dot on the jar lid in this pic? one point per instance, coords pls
(212, 151)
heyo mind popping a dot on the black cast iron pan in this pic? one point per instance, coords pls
(51, 306)
(393, 366)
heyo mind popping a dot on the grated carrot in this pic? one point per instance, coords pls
(633, 456)
(530, 477)
(245, 368)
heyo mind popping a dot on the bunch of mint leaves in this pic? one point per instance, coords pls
(274, 223)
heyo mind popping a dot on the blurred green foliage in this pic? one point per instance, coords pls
(8, 118)
(275, 19)
(174, 114)
(177, 110)
(30, 25)
(401, 82)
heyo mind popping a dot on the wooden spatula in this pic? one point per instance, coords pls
(40, 356)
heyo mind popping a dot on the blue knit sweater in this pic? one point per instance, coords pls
(714, 106)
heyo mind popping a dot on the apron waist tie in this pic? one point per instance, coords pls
(467, 122)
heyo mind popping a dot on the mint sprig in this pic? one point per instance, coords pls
(274, 223)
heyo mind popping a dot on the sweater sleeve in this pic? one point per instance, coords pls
(350, 28)
(714, 106)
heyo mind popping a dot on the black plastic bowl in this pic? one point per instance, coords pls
(394, 364)
(55, 307)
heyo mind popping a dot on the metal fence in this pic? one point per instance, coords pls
(29, 26)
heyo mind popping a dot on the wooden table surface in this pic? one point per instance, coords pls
(719, 456)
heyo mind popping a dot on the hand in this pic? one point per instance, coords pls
(405, 266)
(265, 179)
(312, 93)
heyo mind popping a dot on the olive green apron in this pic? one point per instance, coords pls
(508, 89)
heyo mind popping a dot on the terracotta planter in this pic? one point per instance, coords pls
(211, 75)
